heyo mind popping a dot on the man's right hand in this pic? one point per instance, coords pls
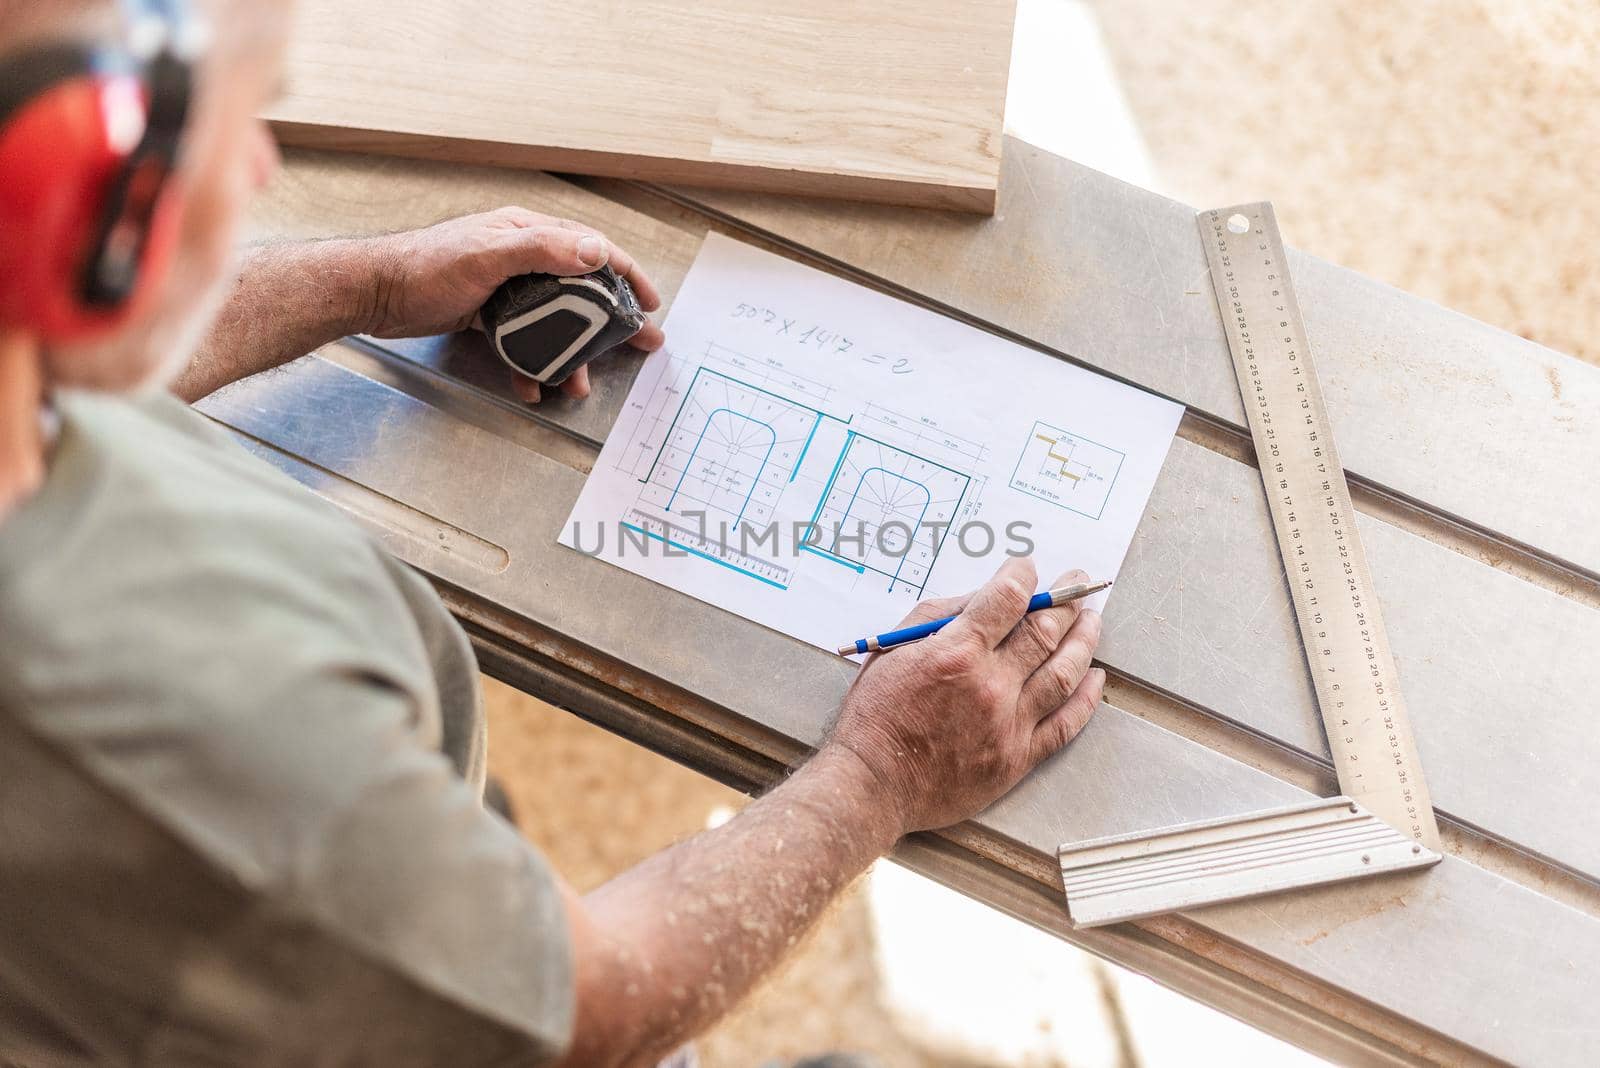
(948, 725)
(928, 736)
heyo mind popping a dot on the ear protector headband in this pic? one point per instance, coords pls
(89, 142)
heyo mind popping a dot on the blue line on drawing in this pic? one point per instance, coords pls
(681, 405)
(848, 438)
(795, 470)
(772, 439)
(860, 569)
(705, 556)
(927, 501)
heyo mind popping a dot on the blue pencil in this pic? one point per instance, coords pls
(1040, 601)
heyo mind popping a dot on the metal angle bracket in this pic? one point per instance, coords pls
(1329, 840)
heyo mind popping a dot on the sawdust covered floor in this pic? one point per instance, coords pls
(1450, 149)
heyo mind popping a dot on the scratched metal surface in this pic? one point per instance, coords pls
(1202, 610)
(1471, 938)
(1430, 404)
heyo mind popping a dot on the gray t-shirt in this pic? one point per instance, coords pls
(241, 760)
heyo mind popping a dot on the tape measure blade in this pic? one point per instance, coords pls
(1341, 627)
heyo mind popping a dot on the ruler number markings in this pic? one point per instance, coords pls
(1347, 650)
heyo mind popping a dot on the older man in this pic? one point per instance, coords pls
(241, 755)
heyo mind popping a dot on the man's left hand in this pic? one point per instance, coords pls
(433, 281)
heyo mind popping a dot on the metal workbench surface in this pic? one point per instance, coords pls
(1455, 438)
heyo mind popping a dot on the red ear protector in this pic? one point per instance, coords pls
(89, 139)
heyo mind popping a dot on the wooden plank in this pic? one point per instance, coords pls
(1434, 948)
(1428, 404)
(894, 103)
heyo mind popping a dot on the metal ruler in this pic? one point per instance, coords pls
(1358, 689)
(1384, 822)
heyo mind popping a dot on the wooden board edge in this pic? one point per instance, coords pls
(977, 198)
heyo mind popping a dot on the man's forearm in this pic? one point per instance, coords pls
(289, 299)
(668, 947)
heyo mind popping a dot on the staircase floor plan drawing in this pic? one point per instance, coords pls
(730, 451)
(713, 458)
(817, 457)
(887, 511)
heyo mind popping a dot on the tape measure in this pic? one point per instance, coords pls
(1347, 649)
(547, 326)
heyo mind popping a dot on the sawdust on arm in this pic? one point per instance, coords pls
(667, 948)
(289, 298)
(929, 735)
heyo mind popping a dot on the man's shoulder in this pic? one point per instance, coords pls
(161, 572)
(150, 512)
(224, 661)
(155, 456)
(190, 624)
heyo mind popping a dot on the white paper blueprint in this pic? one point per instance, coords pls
(817, 457)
